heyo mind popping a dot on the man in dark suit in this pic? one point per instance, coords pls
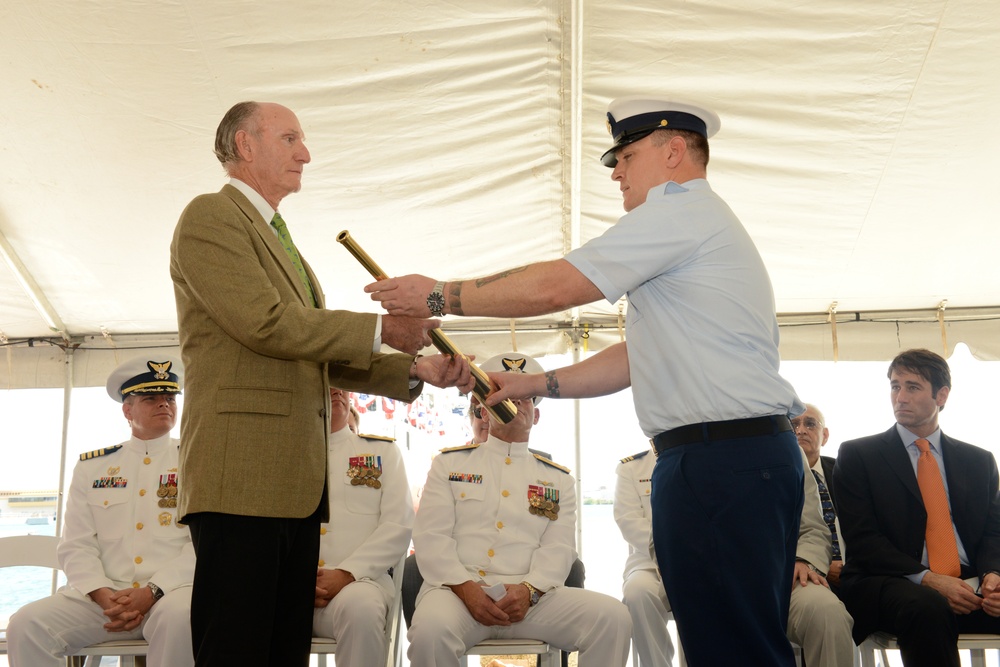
(897, 578)
(261, 350)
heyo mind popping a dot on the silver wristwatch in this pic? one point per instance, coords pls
(435, 300)
(155, 590)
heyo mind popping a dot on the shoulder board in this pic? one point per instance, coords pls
(635, 456)
(552, 463)
(463, 448)
(86, 456)
(383, 438)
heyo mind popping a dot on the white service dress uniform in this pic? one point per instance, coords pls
(371, 519)
(121, 531)
(642, 588)
(496, 513)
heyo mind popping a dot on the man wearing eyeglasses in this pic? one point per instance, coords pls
(812, 433)
(817, 619)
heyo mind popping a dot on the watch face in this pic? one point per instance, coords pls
(435, 302)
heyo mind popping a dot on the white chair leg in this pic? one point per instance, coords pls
(978, 657)
(867, 655)
(885, 657)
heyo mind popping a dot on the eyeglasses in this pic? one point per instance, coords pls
(477, 411)
(809, 423)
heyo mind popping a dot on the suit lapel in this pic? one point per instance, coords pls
(273, 244)
(898, 460)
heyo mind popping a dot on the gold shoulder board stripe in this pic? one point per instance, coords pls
(86, 456)
(552, 463)
(635, 456)
(384, 438)
(460, 449)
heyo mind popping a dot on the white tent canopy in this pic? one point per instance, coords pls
(459, 138)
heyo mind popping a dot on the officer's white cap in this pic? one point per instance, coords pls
(513, 362)
(634, 117)
(162, 375)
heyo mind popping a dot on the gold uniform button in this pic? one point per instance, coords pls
(142, 492)
(105, 502)
(500, 524)
(138, 526)
(507, 460)
(138, 559)
(135, 584)
(490, 553)
(322, 562)
(322, 531)
(482, 573)
(463, 494)
(647, 491)
(505, 493)
(147, 460)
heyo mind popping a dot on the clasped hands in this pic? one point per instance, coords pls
(962, 597)
(125, 608)
(511, 608)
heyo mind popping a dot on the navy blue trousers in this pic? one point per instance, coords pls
(725, 526)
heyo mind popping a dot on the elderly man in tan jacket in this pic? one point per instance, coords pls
(261, 349)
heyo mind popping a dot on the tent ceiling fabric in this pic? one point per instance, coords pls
(858, 143)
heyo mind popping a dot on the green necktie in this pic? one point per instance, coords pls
(293, 254)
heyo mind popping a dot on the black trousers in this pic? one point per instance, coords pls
(254, 587)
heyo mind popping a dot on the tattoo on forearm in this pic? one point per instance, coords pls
(552, 384)
(482, 282)
(455, 298)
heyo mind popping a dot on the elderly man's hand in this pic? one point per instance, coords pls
(407, 334)
(804, 575)
(443, 370)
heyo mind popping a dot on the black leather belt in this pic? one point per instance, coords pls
(727, 430)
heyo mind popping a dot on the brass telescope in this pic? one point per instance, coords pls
(503, 411)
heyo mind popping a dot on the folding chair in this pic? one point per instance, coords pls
(27, 551)
(883, 641)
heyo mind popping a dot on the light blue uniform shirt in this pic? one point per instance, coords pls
(910, 439)
(701, 329)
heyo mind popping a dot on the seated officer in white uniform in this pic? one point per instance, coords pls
(495, 515)
(128, 564)
(642, 589)
(371, 517)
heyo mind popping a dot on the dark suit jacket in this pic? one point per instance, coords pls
(258, 361)
(828, 463)
(883, 519)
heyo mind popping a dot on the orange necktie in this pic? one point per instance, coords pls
(942, 551)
